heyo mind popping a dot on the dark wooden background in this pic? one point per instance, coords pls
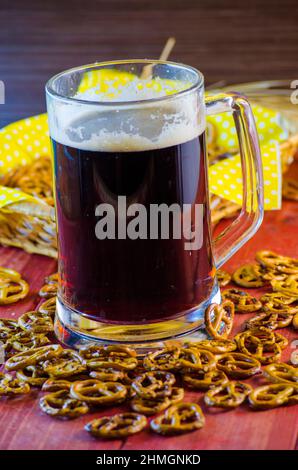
(227, 40)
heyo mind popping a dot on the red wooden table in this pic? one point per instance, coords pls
(24, 426)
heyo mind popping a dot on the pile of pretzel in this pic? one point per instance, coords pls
(74, 383)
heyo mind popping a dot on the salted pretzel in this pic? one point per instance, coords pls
(281, 263)
(155, 384)
(152, 406)
(36, 322)
(25, 340)
(118, 426)
(228, 395)
(98, 393)
(259, 344)
(248, 275)
(192, 359)
(238, 366)
(164, 359)
(66, 363)
(270, 396)
(219, 319)
(289, 286)
(10, 386)
(55, 385)
(118, 357)
(269, 320)
(200, 380)
(277, 298)
(223, 277)
(282, 373)
(216, 346)
(48, 307)
(33, 375)
(108, 375)
(280, 308)
(178, 419)
(32, 357)
(233, 294)
(12, 286)
(61, 405)
(8, 328)
(290, 189)
(243, 302)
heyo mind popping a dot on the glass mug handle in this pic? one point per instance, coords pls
(250, 218)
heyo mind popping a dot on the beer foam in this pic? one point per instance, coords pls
(125, 127)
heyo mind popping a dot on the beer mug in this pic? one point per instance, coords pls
(136, 260)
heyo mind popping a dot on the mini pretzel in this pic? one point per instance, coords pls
(216, 346)
(248, 304)
(48, 307)
(155, 384)
(273, 260)
(288, 287)
(10, 386)
(192, 359)
(118, 357)
(270, 396)
(219, 319)
(117, 426)
(269, 320)
(274, 273)
(282, 373)
(25, 340)
(279, 308)
(229, 395)
(201, 380)
(248, 275)
(61, 405)
(36, 322)
(55, 385)
(8, 328)
(238, 365)
(277, 298)
(223, 277)
(32, 357)
(259, 344)
(12, 286)
(152, 406)
(33, 375)
(65, 364)
(98, 393)
(164, 359)
(108, 375)
(233, 294)
(178, 419)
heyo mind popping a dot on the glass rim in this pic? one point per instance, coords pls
(198, 83)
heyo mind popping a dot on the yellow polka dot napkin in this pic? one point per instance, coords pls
(22, 141)
(226, 176)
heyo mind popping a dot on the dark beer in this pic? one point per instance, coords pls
(124, 280)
